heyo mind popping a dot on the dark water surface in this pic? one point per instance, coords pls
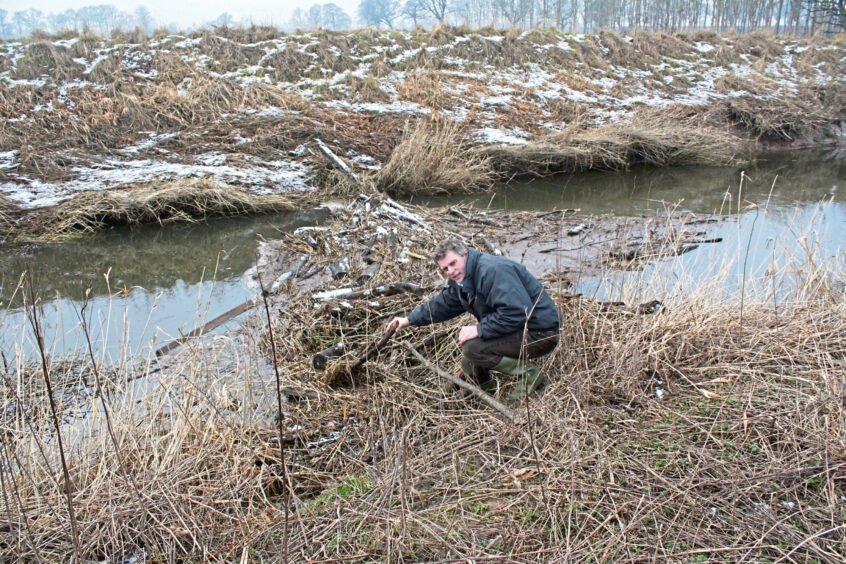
(146, 284)
(790, 213)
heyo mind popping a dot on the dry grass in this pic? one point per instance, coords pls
(365, 89)
(433, 158)
(652, 138)
(785, 119)
(183, 200)
(43, 58)
(742, 459)
(426, 87)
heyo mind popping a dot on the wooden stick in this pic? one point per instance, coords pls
(371, 350)
(475, 390)
(321, 359)
(334, 158)
(219, 320)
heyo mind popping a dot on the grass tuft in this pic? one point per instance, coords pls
(179, 201)
(433, 158)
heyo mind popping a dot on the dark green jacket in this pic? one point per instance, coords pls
(499, 292)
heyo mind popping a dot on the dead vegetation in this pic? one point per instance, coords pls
(650, 140)
(178, 201)
(260, 93)
(692, 433)
(434, 158)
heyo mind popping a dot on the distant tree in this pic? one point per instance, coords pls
(223, 20)
(144, 18)
(376, 12)
(438, 8)
(101, 18)
(328, 16)
(829, 13)
(24, 22)
(3, 24)
(514, 11)
(414, 11)
(299, 20)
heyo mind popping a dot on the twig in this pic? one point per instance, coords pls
(281, 419)
(498, 406)
(35, 323)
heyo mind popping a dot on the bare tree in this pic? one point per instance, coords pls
(438, 8)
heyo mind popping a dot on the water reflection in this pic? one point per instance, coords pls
(784, 178)
(148, 285)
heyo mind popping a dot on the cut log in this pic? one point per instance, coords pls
(321, 359)
(370, 271)
(340, 268)
(351, 294)
(288, 274)
(344, 167)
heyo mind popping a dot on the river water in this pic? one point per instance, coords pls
(150, 284)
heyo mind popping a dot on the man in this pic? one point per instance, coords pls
(517, 319)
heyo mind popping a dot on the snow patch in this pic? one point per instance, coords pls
(262, 178)
(7, 159)
(495, 136)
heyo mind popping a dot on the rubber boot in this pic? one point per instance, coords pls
(528, 376)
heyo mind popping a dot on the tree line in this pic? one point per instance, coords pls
(779, 16)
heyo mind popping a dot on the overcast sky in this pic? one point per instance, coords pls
(190, 12)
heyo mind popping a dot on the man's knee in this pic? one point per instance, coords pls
(485, 354)
(472, 350)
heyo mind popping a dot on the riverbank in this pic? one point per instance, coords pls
(445, 111)
(698, 429)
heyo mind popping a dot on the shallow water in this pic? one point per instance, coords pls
(788, 214)
(147, 285)
(167, 280)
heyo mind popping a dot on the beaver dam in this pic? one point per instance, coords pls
(696, 429)
(707, 424)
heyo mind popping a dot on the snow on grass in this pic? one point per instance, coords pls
(146, 144)
(7, 159)
(397, 107)
(494, 136)
(262, 178)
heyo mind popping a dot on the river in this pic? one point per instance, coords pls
(151, 284)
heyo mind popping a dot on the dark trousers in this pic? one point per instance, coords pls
(480, 356)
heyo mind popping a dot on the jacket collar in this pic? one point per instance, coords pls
(469, 281)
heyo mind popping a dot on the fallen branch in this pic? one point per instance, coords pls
(334, 158)
(475, 390)
(372, 350)
(214, 323)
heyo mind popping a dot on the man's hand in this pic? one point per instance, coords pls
(467, 333)
(400, 323)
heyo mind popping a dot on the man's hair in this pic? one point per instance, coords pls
(448, 245)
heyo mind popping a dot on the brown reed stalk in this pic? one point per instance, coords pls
(275, 361)
(35, 324)
(127, 476)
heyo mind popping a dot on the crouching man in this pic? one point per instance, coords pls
(517, 320)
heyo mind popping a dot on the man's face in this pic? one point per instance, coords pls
(454, 265)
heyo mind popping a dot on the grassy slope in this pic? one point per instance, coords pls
(528, 103)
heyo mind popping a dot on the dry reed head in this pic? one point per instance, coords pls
(432, 158)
